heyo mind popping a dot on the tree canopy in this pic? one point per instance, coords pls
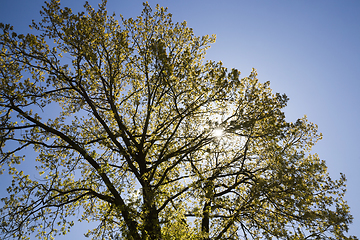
(136, 131)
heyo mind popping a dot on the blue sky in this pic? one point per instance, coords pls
(309, 50)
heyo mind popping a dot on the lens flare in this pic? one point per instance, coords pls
(218, 132)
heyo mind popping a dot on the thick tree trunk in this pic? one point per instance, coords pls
(151, 224)
(151, 227)
(205, 223)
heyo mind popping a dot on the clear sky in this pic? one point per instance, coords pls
(309, 50)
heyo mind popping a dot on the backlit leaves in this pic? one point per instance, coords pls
(121, 116)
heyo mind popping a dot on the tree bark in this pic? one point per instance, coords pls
(205, 223)
(151, 227)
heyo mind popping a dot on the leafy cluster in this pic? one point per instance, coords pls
(122, 117)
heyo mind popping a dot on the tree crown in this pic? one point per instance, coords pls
(134, 129)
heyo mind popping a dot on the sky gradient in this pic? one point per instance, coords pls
(309, 50)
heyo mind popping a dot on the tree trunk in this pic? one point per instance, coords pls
(151, 227)
(205, 223)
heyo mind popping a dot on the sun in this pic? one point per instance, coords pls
(218, 132)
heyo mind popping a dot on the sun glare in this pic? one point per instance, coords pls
(218, 132)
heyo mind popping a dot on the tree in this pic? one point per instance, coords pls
(150, 140)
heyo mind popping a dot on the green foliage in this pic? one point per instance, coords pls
(133, 145)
